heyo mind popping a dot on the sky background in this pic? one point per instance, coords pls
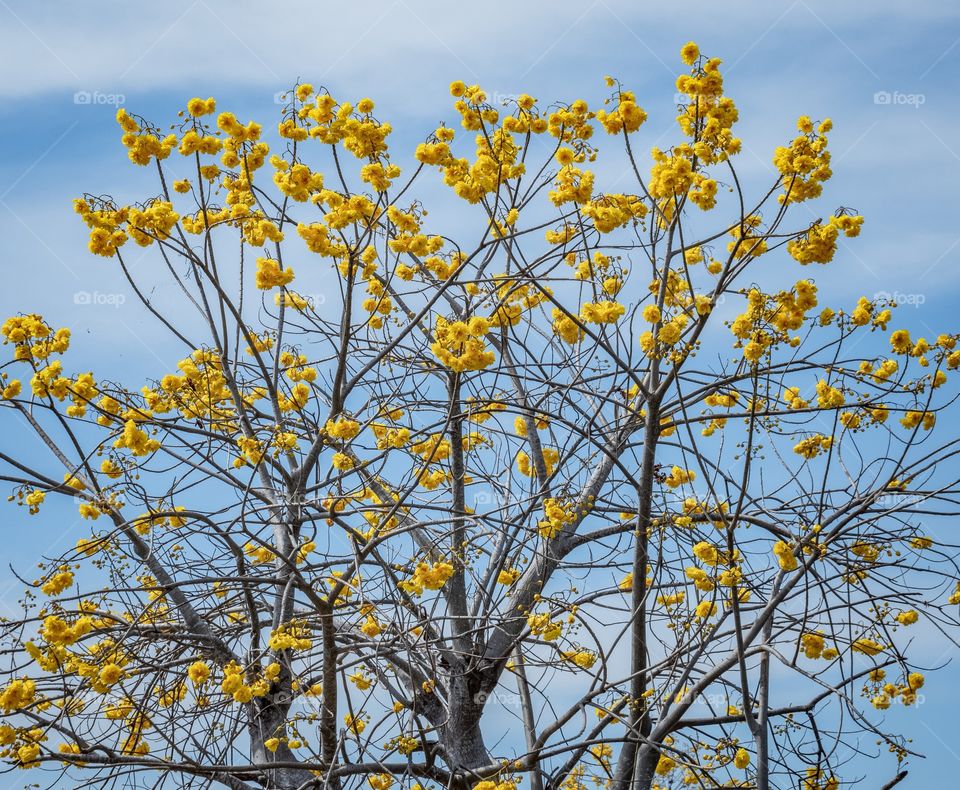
(885, 72)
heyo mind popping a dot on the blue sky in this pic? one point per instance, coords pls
(885, 72)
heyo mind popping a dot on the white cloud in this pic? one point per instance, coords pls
(395, 43)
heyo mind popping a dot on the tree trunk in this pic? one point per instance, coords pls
(267, 719)
(460, 735)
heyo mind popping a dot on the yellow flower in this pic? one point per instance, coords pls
(812, 645)
(785, 556)
(429, 577)
(342, 461)
(27, 754)
(706, 552)
(869, 647)
(908, 617)
(17, 695)
(356, 724)
(270, 275)
(689, 53)
(197, 107)
(110, 674)
(57, 583)
(705, 609)
(543, 626)
(371, 627)
(900, 341)
(198, 672)
(380, 781)
(361, 681)
(342, 428)
(508, 576)
(585, 659)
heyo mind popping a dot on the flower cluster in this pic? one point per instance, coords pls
(427, 576)
(805, 164)
(460, 345)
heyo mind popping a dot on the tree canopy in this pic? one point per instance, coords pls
(581, 487)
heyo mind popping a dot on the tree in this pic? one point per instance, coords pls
(511, 504)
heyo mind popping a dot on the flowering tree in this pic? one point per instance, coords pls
(513, 504)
